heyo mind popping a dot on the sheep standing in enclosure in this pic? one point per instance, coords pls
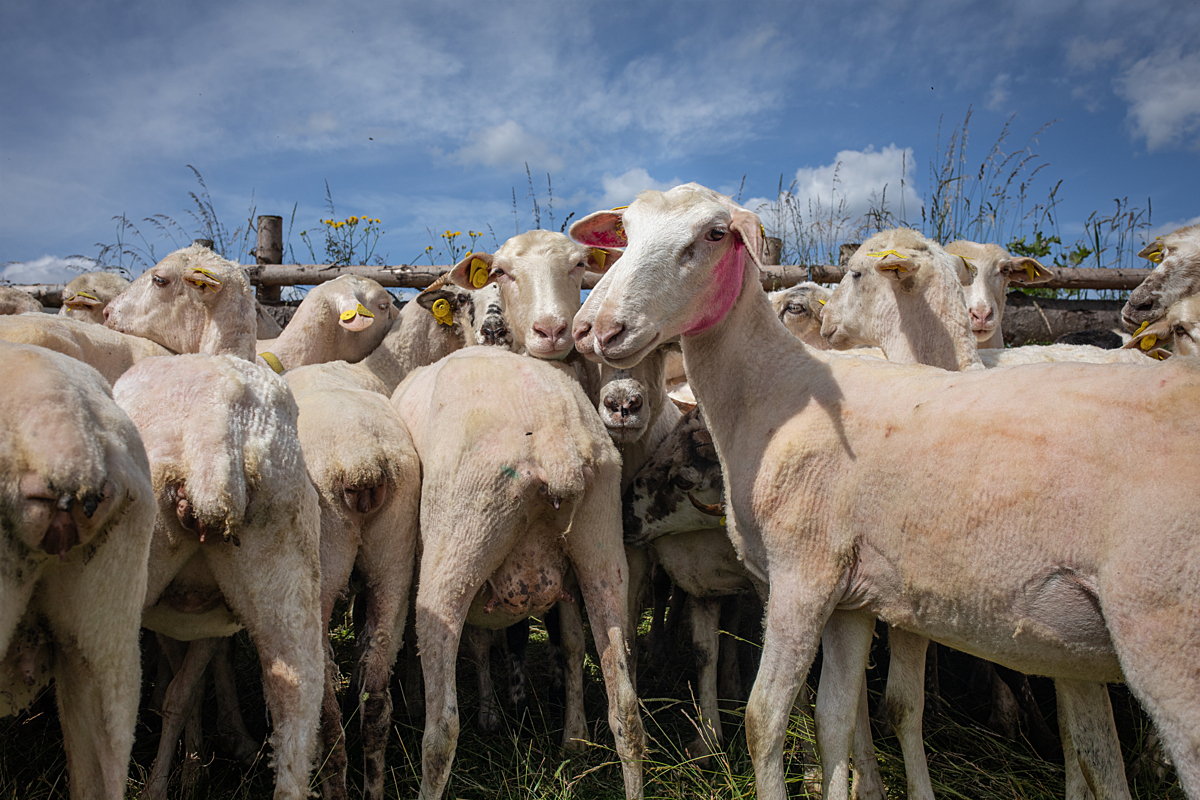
(76, 516)
(109, 352)
(236, 539)
(863, 489)
(521, 487)
(1176, 276)
(341, 320)
(16, 301)
(799, 308)
(991, 270)
(87, 295)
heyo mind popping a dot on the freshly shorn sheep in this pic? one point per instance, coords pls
(341, 320)
(862, 489)
(76, 516)
(16, 301)
(521, 488)
(1176, 276)
(86, 296)
(108, 351)
(992, 269)
(235, 541)
(799, 309)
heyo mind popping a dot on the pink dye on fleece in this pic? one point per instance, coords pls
(727, 283)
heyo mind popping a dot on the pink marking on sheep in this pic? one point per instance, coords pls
(726, 286)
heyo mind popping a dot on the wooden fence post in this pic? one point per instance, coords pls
(269, 250)
(774, 250)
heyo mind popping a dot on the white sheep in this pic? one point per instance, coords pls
(86, 296)
(235, 541)
(521, 487)
(1176, 276)
(16, 301)
(863, 489)
(341, 320)
(799, 308)
(109, 352)
(990, 271)
(76, 516)
(1180, 327)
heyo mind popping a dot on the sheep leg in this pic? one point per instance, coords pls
(1090, 736)
(575, 721)
(639, 578)
(273, 585)
(98, 666)
(729, 668)
(601, 570)
(656, 639)
(846, 645)
(796, 612)
(516, 644)
(905, 700)
(231, 728)
(705, 617)
(479, 646)
(185, 688)
(865, 781)
(387, 612)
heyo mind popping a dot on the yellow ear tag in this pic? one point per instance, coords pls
(202, 284)
(479, 275)
(1155, 257)
(1031, 271)
(88, 295)
(599, 256)
(721, 521)
(441, 312)
(1158, 354)
(360, 311)
(886, 253)
(822, 302)
(620, 208)
(1148, 342)
(967, 263)
(272, 361)
(1143, 327)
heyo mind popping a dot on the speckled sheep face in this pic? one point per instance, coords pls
(631, 399)
(1176, 276)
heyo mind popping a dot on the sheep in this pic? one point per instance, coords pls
(990, 271)
(863, 489)
(16, 301)
(799, 309)
(193, 301)
(341, 320)
(235, 541)
(108, 351)
(267, 327)
(538, 497)
(1180, 326)
(85, 297)
(76, 516)
(1176, 276)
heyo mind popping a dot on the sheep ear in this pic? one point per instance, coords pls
(896, 267)
(202, 279)
(753, 235)
(1149, 336)
(440, 303)
(601, 258)
(600, 229)
(474, 271)
(1152, 251)
(1025, 271)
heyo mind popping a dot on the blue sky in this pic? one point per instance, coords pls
(425, 115)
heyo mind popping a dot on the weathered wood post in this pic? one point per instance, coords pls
(269, 250)
(774, 250)
(203, 243)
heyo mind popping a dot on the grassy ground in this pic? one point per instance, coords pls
(524, 760)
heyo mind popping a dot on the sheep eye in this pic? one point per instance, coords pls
(683, 483)
(794, 309)
(158, 280)
(715, 234)
(855, 275)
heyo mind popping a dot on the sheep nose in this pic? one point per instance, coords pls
(551, 331)
(979, 318)
(107, 311)
(494, 331)
(610, 335)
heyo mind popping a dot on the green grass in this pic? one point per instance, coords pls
(525, 760)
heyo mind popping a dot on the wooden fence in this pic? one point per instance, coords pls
(269, 275)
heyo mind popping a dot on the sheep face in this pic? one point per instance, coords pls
(800, 309)
(631, 399)
(677, 240)
(540, 275)
(987, 270)
(192, 301)
(1177, 276)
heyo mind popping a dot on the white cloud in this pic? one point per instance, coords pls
(507, 145)
(621, 189)
(851, 185)
(1163, 91)
(47, 269)
(999, 93)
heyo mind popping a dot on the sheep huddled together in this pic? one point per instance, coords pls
(196, 480)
